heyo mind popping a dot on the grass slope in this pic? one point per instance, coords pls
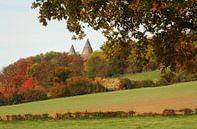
(151, 75)
(141, 100)
(182, 122)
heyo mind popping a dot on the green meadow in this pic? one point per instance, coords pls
(179, 122)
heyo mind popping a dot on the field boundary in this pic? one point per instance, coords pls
(94, 115)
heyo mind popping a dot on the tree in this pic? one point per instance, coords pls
(2, 99)
(7, 81)
(167, 21)
(96, 65)
(81, 85)
(75, 63)
(59, 90)
(39, 72)
(16, 98)
(49, 68)
(117, 53)
(27, 84)
(59, 74)
(142, 53)
(34, 94)
(22, 66)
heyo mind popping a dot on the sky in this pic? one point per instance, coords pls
(21, 34)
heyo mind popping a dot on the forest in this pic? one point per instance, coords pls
(55, 74)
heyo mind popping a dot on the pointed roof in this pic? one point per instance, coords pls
(87, 48)
(72, 51)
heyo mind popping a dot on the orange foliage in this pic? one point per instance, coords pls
(154, 7)
(22, 67)
(27, 84)
(134, 5)
(7, 92)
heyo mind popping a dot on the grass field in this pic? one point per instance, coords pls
(152, 75)
(181, 122)
(183, 95)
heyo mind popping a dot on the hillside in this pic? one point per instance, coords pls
(176, 96)
(150, 75)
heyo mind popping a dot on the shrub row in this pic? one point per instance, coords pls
(82, 115)
(85, 115)
(75, 86)
(172, 77)
(131, 84)
(185, 111)
(166, 79)
(27, 117)
(69, 115)
(109, 84)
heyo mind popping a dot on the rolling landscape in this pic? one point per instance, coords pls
(98, 64)
(140, 100)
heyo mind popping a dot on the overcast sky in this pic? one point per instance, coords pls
(21, 34)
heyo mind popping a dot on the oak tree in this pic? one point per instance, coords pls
(167, 21)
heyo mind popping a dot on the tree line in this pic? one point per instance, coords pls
(56, 74)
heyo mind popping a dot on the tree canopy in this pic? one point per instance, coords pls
(166, 21)
(120, 18)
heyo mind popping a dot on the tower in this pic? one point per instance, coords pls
(87, 50)
(72, 51)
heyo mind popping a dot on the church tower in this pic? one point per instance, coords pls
(72, 51)
(87, 50)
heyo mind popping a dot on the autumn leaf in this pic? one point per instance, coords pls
(154, 7)
(134, 5)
